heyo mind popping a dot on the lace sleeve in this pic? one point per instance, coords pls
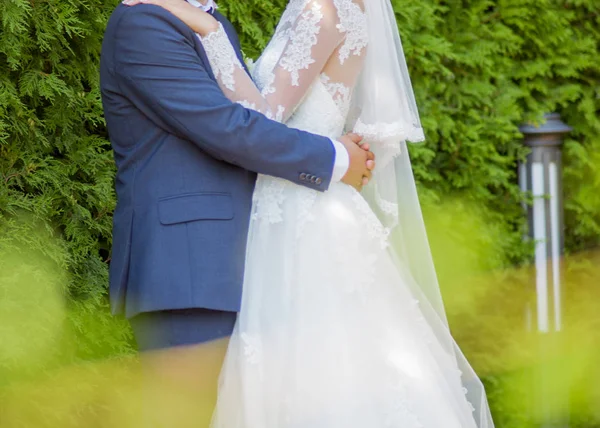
(313, 37)
(233, 80)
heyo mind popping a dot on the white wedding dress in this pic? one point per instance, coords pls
(329, 334)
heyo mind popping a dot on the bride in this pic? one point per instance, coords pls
(342, 323)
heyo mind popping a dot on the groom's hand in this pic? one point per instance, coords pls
(362, 161)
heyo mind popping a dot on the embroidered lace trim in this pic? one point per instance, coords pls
(353, 22)
(221, 56)
(302, 39)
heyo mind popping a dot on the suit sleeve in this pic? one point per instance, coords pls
(160, 71)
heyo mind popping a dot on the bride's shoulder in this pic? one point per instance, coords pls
(335, 9)
(331, 16)
(336, 4)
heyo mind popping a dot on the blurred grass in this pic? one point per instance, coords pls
(52, 374)
(530, 377)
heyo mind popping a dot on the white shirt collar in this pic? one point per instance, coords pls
(210, 5)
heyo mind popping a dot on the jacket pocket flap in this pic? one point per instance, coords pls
(195, 206)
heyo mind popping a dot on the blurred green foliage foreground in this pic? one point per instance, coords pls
(479, 69)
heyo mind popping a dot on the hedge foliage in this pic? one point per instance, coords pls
(479, 68)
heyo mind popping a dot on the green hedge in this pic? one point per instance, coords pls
(55, 161)
(479, 69)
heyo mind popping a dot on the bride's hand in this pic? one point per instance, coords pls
(194, 17)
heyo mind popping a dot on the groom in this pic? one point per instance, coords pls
(187, 160)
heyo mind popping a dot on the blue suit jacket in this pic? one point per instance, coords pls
(185, 156)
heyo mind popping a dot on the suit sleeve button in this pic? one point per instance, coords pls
(303, 176)
(318, 180)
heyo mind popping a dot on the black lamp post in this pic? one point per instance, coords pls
(541, 176)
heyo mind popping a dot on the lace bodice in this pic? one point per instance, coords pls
(306, 74)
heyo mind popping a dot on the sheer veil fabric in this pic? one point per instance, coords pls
(385, 112)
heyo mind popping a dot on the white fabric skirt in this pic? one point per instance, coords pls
(329, 334)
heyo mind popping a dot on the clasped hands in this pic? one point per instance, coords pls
(362, 161)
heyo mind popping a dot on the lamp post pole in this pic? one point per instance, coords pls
(540, 175)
